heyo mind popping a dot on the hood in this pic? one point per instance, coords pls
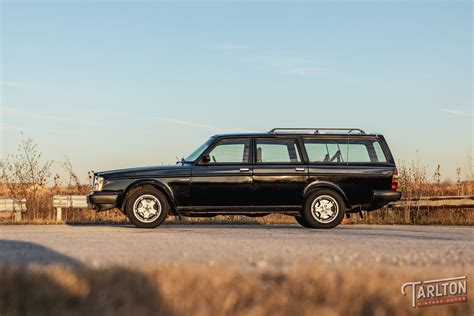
(150, 171)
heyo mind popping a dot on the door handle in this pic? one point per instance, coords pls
(300, 169)
(244, 169)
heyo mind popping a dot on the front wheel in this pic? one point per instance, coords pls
(147, 207)
(324, 209)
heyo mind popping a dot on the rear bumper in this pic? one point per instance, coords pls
(101, 201)
(380, 198)
(386, 196)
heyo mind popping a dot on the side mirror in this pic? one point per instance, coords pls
(206, 159)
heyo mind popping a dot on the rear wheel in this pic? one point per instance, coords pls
(147, 207)
(300, 220)
(324, 209)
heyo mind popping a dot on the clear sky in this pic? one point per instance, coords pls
(122, 84)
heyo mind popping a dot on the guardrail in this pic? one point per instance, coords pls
(68, 201)
(432, 202)
(13, 205)
(80, 201)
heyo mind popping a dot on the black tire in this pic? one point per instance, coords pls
(150, 200)
(300, 220)
(332, 205)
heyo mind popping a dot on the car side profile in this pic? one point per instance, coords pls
(316, 175)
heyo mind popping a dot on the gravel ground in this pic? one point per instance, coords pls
(273, 247)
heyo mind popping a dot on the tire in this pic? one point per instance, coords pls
(147, 207)
(324, 209)
(300, 220)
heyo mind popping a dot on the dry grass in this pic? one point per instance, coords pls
(199, 290)
(382, 217)
(416, 217)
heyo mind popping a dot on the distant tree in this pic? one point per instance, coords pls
(437, 178)
(24, 174)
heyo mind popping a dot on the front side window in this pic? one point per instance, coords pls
(277, 151)
(230, 151)
(330, 151)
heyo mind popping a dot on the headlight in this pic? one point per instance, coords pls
(98, 183)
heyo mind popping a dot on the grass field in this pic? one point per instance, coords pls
(202, 290)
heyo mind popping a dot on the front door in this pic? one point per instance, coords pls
(280, 175)
(224, 181)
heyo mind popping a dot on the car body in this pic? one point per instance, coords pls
(260, 173)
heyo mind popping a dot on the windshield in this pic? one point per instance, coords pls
(196, 153)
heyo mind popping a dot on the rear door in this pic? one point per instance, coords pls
(280, 174)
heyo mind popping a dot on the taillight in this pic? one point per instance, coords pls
(395, 179)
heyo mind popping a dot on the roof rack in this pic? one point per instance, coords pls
(315, 130)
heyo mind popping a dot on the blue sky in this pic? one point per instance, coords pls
(119, 84)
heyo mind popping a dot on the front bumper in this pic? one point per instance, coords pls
(386, 196)
(101, 201)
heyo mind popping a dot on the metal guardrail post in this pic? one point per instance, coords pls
(59, 214)
(15, 206)
(17, 216)
(68, 201)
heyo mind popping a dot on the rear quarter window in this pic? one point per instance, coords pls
(329, 151)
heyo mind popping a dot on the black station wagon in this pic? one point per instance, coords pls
(314, 174)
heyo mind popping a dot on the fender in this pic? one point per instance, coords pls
(328, 185)
(154, 182)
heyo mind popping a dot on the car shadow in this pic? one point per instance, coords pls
(120, 225)
(233, 225)
(192, 225)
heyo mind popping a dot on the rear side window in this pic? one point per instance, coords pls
(277, 151)
(329, 151)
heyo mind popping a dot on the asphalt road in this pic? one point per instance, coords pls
(248, 246)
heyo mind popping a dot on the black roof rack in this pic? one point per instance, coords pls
(315, 130)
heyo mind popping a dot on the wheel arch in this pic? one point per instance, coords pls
(162, 187)
(318, 185)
